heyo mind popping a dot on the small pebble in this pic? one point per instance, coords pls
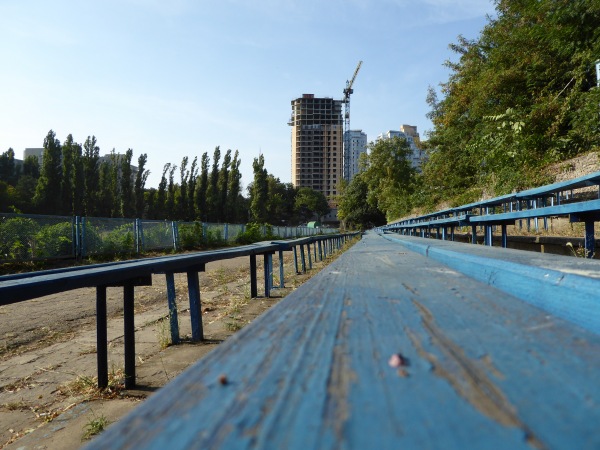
(222, 379)
(397, 360)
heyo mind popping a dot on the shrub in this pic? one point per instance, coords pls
(17, 238)
(54, 240)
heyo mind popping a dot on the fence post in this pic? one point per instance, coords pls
(76, 238)
(142, 240)
(83, 249)
(136, 233)
(175, 235)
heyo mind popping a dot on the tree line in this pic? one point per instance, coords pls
(519, 97)
(74, 180)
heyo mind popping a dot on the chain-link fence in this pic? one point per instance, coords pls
(33, 237)
(25, 237)
(102, 236)
(157, 235)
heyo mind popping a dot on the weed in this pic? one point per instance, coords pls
(233, 326)
(94, 426)
(16, 406)
(163, 332)
(578, 252)
(87, 386)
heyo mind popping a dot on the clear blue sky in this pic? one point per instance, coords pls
(175, 78)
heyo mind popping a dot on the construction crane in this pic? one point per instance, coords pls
(346, 101)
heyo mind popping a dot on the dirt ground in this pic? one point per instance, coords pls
(48, 371)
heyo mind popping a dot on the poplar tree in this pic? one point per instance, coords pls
(127, 199)
(259, 191)
(48, 195)
(91, 176)
(201, 192)
(212, 191)
(140, 183)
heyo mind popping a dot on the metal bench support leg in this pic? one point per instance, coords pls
(171, 299)
(253, 281)
(195, 306)
(268, 273)
(589, 239)
(296, 259)
(129, 335)
(302, 258)
(281, 281)
(504, 236)
(101, 337)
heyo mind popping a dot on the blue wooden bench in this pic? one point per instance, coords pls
(390, 348)
(552, 200)
(129, 274)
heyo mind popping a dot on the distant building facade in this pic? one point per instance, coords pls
(317, 146)
(358, 146)
(37, 152)
(408, 132)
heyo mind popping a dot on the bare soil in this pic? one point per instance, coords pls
(48, 371)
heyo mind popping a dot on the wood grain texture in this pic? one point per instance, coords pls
(478, 369)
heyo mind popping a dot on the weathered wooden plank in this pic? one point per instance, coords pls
(478, 369)
(564, 286)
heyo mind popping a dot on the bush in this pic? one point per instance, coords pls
(17, 238)
(55, 241)
(190, 235)
(254, 233)
(120, 240)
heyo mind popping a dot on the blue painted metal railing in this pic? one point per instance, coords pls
(129, 274)
(540, 203)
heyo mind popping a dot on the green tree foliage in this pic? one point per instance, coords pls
(520, 96)
(48, 198)
(182, 194)
(281, 205)
(234, 203)
(126, 193)
(9, 172)
(91, 176)
(71, 157)
(139, 186)
(212, 191)
(259, 191)
(171, 193)
(310, 204)
(223, 214)
(389, 176)
(354, 210)
(159, 209)
(202, 188)
(105, 198)
(190, 213)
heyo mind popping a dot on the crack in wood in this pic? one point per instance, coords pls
(341, 377)
(468, 379)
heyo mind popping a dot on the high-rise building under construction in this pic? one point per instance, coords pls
(317, 144)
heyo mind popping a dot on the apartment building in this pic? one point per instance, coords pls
(408, 132)
(317, 144)
(358, 145)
